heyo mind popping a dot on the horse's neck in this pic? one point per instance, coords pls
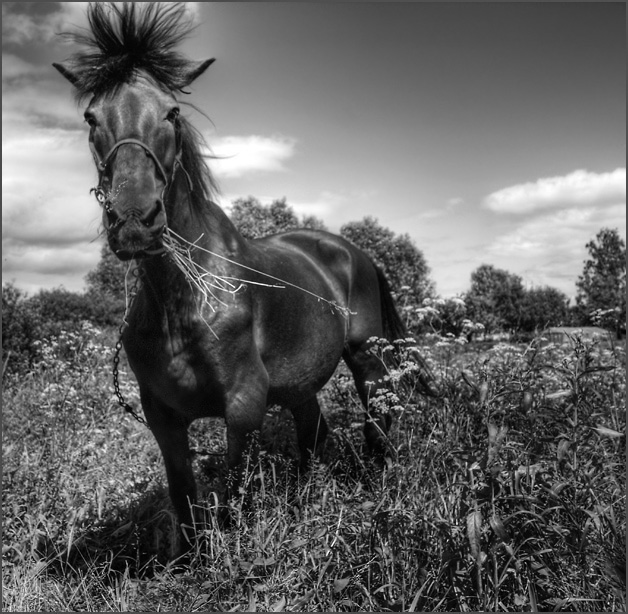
(213, 242)
(203, 223)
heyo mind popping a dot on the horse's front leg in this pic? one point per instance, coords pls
(171, 432)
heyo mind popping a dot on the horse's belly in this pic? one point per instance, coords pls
(298, 369)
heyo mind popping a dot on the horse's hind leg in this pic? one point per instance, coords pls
(244, 416)
(368, 374)
(311, 429)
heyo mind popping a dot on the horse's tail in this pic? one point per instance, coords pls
(394, 329)
(393, 325)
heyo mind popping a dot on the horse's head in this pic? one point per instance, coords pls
(135, 140)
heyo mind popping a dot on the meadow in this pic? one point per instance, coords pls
(504, 493)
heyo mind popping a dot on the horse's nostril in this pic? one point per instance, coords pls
(112, 217)
(149, 219)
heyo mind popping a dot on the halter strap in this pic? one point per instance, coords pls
(102, 164)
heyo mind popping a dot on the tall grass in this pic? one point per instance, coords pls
(506, 493)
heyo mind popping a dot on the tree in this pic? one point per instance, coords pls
(255, 220)
(543, 307)
(447, 317)
(18, 330)
(401, 261)
(59, 308)
(601, 294)
(28, 320)
(106, 288)
(108, 276)
(496, 299)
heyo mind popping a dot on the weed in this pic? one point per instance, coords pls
(504, 493)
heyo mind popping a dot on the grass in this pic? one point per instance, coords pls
(507, 493)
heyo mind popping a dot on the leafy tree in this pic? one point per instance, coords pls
(543, 307)
(601, 294)
(108, 276)
(448, 318)
(59, 308)
(106, 288)
(255, 220)
(496, 299)
(29, 320)
(401, 261)
(18, 330)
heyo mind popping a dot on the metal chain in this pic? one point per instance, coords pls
(116, 356)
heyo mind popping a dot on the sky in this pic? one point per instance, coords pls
(490, 133)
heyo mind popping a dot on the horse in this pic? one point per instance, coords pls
(220, 326)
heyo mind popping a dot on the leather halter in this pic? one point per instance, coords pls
(101, 164)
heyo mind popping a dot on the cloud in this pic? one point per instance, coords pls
(550, 249)
(562, 214)
(27, 22)
(14, 67)
(323, 206)
(35, 267)
(49, 220)
(24, 23)
(237, 156)
(578, 189)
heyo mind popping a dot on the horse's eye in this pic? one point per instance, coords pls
(173, 114)
(100, 194)
(90, 119)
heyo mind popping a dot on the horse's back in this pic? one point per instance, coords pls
(338, 259)
(348, 271)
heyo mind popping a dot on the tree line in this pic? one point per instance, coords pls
(496, 299)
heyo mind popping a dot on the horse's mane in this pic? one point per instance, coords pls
(123, 39)
(203, 182)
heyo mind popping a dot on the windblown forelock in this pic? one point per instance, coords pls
(124, 39)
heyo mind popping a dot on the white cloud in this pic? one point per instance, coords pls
(242, 155)
(439, 212)
(563, 214)
(326, 204)
(20, 26)
(49, 220)
(34, 267)
(12, 67)
(578, 189)
(550, 249)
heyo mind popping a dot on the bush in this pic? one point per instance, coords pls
(28, 321)
(19, 330)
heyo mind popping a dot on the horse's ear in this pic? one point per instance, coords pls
(197, 69)
(66, 72)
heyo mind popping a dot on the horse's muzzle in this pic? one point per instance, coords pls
(135, 235)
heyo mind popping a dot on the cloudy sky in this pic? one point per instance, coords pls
(489, 132)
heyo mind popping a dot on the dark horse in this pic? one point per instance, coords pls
(227, 354)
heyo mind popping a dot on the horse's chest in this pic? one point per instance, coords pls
(177, 366)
